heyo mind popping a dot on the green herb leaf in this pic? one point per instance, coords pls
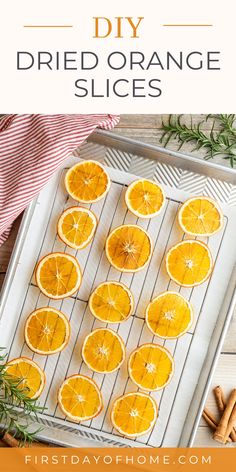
(17, 410)
(216, 143)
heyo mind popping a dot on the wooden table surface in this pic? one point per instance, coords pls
(147, 128)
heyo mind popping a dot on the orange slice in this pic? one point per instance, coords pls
(76, 227)
(189, 263)
(103, 350)
(87, 181)
(200, 216)
(129, 248)
(58, 275)
(111, 302)
(151, 366)
(31, 377)
(144, 198)
(80, 398)
(169, 315)
(47, 331)
(134, 414)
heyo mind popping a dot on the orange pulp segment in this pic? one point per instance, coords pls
(80, 398)
(169, 315)
(87, 181)
(58, 275)
(111, 302)
(47, 331)
(200, 216)
(31, 377)
(134, 414)
(189, 263)
(144, 198)
(151, 366)
(103, 350)
(129, 248)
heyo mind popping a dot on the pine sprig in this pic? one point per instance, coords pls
(17, 410)
(216, 143)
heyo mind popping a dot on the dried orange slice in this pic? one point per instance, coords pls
(151, 366)
(189, 263)
(31, 377)
(87, 181)
(76, 227)
(58, 275)
(169, 315)
(200, 216)
(129, 248)
(103, 350)
(47, 331)
(111, 302)
(80, 398)
(144, 198)
(134, 414)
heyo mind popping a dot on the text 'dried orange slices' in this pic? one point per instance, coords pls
(189, 263)
(169, 315)
(29, 376)
(129, 248)
(200, 216)
(111, 302)
(87, 181)
(76, 227)
(47, 331)
(134, 414)
(80, 398)
(144, 198)
(103, 350)
(151, 367)
(58, 275)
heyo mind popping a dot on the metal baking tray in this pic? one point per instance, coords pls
(195, 353)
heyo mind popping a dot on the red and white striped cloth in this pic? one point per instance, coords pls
(32, 147)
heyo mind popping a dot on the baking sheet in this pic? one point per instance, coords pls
(189, 351)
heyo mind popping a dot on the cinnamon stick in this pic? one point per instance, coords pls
(221, 403)
(220, 398)
(2, 443)
(222, 431)
(231, 423)
(9, 440)
(209, 418)
(211, 421)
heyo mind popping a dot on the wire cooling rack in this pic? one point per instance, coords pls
(145, 285)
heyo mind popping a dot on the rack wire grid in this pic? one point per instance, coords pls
(145, 285)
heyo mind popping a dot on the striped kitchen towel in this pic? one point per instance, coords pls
(32, 147)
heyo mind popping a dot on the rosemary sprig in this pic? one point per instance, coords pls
(227, 123)
(17, 410)
(221, 142)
